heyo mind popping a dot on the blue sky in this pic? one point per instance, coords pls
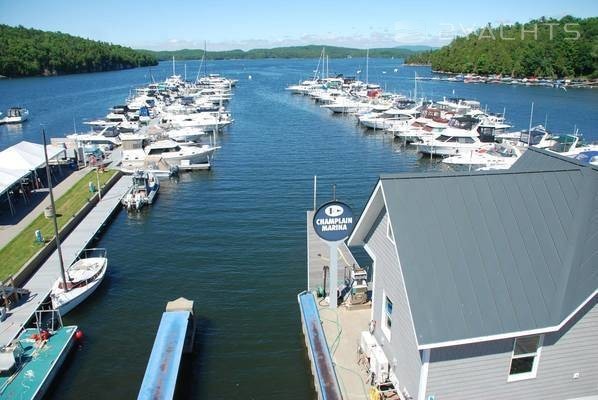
(171, 25)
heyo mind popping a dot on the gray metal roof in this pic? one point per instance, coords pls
(487, 254)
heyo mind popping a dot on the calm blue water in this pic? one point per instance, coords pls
(233, 239)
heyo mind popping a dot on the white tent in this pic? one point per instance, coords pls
(20, 160)
(28, 156)
(9, 177)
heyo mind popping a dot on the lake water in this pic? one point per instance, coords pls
(233, 239)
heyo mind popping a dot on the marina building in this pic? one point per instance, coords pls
(485, 284)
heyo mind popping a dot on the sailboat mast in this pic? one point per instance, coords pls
(529, 132)
(367, 66)
(53, 205)
(173, 68)
(415, 86)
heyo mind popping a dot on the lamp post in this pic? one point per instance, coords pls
(52, 204)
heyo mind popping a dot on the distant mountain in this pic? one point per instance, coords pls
(544, 47)
(309, 51)
(30, 52)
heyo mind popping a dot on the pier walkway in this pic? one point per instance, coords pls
(41, 282)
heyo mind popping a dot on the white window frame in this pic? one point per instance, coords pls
(389, 233)
(526, 375)
(385, 329)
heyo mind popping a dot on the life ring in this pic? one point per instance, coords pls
(372, 326)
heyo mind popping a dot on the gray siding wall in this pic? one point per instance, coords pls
(388, 279)
(480, 371)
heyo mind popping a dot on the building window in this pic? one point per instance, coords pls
(389, 231)
(525, 357)
(387, 317)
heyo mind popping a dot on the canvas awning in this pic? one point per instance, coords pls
(19, 160)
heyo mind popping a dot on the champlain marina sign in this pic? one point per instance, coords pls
(333, 221)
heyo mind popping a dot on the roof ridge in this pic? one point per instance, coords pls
(583, 206)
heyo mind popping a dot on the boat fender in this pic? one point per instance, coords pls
(372, 326)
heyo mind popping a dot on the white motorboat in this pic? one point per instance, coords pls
(15, 115)
(82, 278)
(303, 87)
(420, 133)
(137, 150)
(497, 156)
(389, 118)
(346, 106)
(460, 136)
(186, 134)
(144, 190)
(207, 121)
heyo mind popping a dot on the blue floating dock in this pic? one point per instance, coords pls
(326, 381)
(37, 362)
(175, 336)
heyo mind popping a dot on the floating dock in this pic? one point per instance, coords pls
(175, 336)
(327, 386)
(34, 363)
(40, 283)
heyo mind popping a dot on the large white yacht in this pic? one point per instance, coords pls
(460, 136)
(137, 150)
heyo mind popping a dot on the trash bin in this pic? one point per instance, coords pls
(48, 212)
(92, 187)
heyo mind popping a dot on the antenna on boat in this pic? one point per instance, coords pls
(529, 132)
(53, 205)
(74, 124)
(173, 67)
(546, 121)
(185, 72)
(334, 191)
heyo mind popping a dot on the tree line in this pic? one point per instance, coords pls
(545, 47)
(309, 51)
(31, 52)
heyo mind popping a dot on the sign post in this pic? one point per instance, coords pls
(333, 223)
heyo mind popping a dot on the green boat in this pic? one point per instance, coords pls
(29, 364)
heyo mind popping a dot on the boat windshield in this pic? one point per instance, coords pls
(460, 123)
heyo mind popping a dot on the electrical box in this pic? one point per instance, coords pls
(379, 365)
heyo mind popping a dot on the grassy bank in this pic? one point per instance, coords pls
(16, 253)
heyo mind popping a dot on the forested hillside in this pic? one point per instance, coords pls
(30, 52)
(544, 48)
(310, 51)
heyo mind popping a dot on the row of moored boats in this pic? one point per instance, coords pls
(456, 129)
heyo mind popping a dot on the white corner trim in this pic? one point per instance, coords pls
(373, 257)
(423, 375)
(511, 335)
(365, 211)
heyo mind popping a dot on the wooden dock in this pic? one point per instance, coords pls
(318, 257)
(41, 282)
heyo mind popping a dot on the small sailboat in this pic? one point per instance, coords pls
(145, 188)
(82, 278)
